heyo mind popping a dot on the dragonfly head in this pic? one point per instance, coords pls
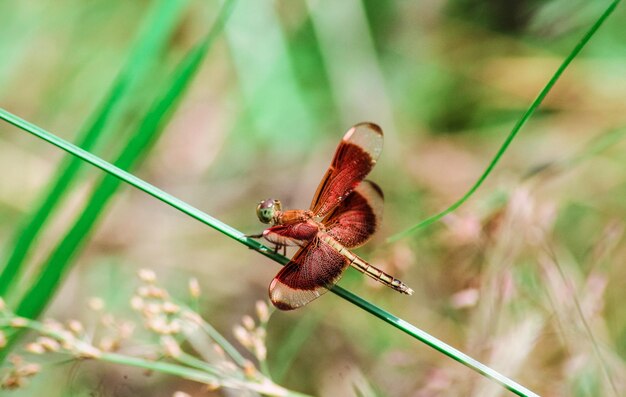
(267, 210)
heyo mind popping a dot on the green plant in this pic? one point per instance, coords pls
(168, 325)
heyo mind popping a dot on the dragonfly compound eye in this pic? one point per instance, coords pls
(266, 210)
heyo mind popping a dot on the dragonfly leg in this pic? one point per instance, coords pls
(278, 247)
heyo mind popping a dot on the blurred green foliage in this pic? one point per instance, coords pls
(445, 80)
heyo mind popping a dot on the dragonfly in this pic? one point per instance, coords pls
(345, 212)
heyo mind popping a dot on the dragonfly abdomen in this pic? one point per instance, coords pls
(366, 268)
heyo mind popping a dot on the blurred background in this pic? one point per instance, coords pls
(527, 276)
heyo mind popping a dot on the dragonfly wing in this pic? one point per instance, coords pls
(358, 217)
(313, 270)
(354, 158)
(294, 234)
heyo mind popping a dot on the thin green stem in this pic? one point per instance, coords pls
(240, 237)
(142, 185)
(436, 344)
(193, 362)
(160, 366)
(220, 340)
(265, 388)
(285, 353)
(580, 312)
(534, 105)
(265, 369)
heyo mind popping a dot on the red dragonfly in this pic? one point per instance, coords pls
(344, 214)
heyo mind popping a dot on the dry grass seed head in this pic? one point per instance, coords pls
(109, 344)
(211, 386)
(172, 348)
(48, 343)
(76, 327)
(95, 303)
(35, 348)
(243, 336)
(262, 311)
(136, 303)
(194, 287)
(18, 322)
(53, 325)
(248, 322)
(249, 370)
(170, 307)
(16, 377)
(147, 275)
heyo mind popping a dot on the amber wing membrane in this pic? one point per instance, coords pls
(354, 159)
(312, 271)
(358, 217)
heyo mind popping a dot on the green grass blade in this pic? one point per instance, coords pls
(287, 351)
(534, 105)
(436, 344)
(153, 37)
(597, 146)
(154, 122)
(239, 236)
